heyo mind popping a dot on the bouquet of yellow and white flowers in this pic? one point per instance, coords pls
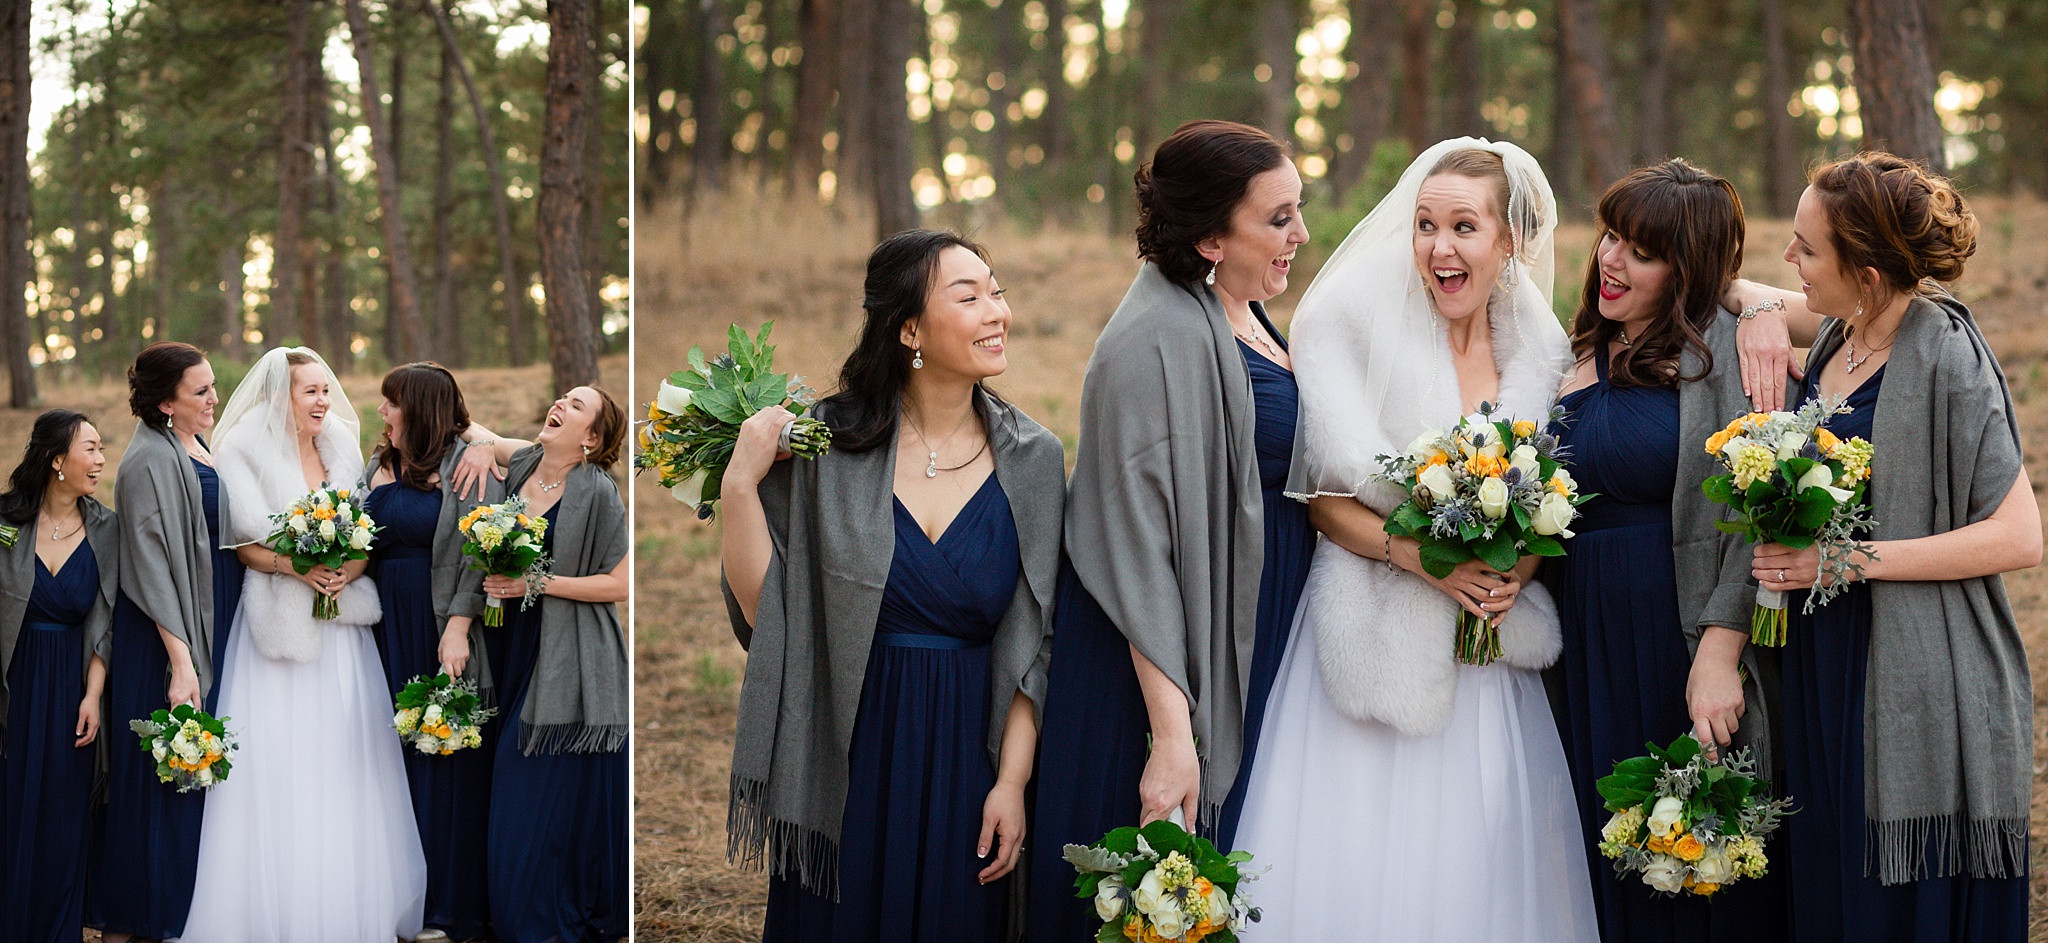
(440, 714)
(1486, 489)
(499, 539)
(691, 426)
(1159, 883)
(1687, 823)
(192, 749)
(1794, 483)
(322, 529)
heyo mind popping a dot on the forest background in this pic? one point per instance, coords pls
(776, 139)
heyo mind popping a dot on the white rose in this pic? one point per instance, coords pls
(359, 539)
(320, 499)
(1564, 477)
(1554, 516)
(1714, 866)
(1665, 873)
(1437, 479)
(1493, 498)
(1789, 445)
(398, 719)
(673, 400)
(1171, 922)
(1109, 898)
(427, 745)
(363, 520)
(1494, 447)
(297, 523)
(1524, 460)
(341, 510)
(1779, 415)
(205, 774)
(1820, 476)
(1665, 815)
(433, 712)
(522, 539)
(691, 490)
(159, 752)
(1424, 445)
(1734, 446)
(1150, 897)
(327, 530)
(1219, 905)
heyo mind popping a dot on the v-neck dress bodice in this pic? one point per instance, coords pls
(919, 767)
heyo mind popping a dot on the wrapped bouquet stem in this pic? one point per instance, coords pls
(1794, 483)
(691, 426)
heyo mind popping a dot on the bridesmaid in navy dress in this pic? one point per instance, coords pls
(427, 591)
(172, 621)
(1671, 235)
(556, 847)
(1943, 426)
(969, 493)
(1219, 205)
(54, 664)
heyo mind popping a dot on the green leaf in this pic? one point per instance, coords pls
(1719, 489)
(1816, 505)
(1440, 558)
(1086, 883)
(1123, 841)
(1761, 492)
(697, 360)
(741, 347)
(1499, 551)
(1731, 527)
(1543, 546)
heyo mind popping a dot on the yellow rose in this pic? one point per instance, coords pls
(1688, 848)
(1524, 428)
(1705, 889)
(1439, 458)
(1659, 844)
(343, 493)
(1718, 439)
(1827, 441)
(653, 411)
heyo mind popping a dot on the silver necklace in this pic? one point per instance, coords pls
(1625, 342)
(57, 529)
(545, 487)
(1853, 361)
(931, 465)
(1272, 352)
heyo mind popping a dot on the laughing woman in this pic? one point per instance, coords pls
(60, 572)
(1908, 707)
(414, 486)
(557, 839)
(887, 721)
(171, 621)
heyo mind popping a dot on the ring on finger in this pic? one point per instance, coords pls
(1781, 576)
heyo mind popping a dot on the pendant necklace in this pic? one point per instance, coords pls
(931, 465)
(1853, 361)
(1256, 339)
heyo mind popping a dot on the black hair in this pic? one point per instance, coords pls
(49, 440)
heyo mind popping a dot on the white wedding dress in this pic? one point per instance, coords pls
(311, 839)
(1397, 795)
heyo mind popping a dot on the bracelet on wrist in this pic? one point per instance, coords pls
(1749, 313)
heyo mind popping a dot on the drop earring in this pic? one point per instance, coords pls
(917, 358)
(167, 422)
(1210, 279)
(60, 474)
(586, 451)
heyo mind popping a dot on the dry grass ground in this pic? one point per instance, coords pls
(803, 267)
(510, 401)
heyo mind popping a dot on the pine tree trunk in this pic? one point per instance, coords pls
(1895, 80)
(447, 320)
(1417, 22)
(397, 250)
(394, 325)
(1056, 118)
(1471, 69)
(817, 82)
(518, 331)
(1278, 25)
(1565, 152)
(889, 118)
(1652, 120)
(16, 268)
(1782, 165)
(594, 142)
(1155, 52)
(337, 316)
(708, 93)
(572, 352)
(1368, 95)
(294, 169)
(233, 313)
(1593, 93)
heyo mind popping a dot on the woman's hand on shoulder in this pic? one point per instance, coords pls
(476, 463)
(756, 450)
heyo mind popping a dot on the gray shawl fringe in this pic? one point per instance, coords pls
(576, 701)
(1948, 740)
(1165, 522)
(807, 650)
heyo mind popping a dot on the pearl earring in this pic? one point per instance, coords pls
(167, 422)
(586, 451)
(60, 474)
(916, 358)
(1210, 279)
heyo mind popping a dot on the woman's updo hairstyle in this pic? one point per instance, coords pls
(1483, 165)
(1893, 215)
(1191, 186)
(154, 377)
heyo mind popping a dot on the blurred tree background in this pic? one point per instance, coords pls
(1044, 108)
(211, 171)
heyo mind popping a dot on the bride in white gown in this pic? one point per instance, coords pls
(311, 839)
(1399, 795)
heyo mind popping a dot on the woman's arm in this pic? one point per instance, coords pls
(323, 579)
(487, 454)
(2008, 540)
(184, 687)
(1765, 341)
(1173, 773)
(1713, 688)
(88, 728)
(1478, 588)
(453, 651)
(746, 546)
(1002, 816)
(596, 588)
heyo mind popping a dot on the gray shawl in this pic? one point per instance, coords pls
(457, 588)
(1948, 733)
(163, 522)
(1165, 523)
(1714, 586)
(808, 647)
(18, 579)
(576, 702)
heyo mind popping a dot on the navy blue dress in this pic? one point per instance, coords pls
(45, 782)
(1094, 748)
(1621, 678)
(450, 794)
(147, 840)
(918, 767)
(1823, 663)
(556, 847)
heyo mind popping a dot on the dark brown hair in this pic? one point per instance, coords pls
(154, 377)
(1894, 215)
(1691, 219)
(427, 396)
(50, 438)
(1191, 186)
(610, 426)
